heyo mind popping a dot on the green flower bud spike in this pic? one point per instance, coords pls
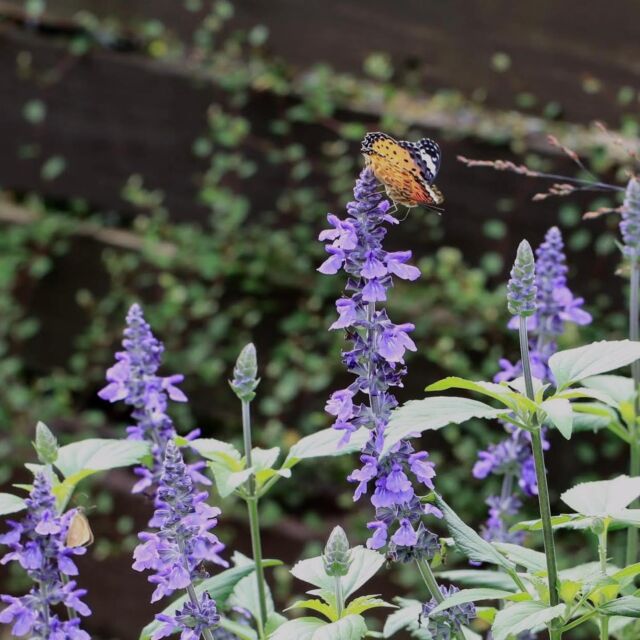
(245, 374)
(46, 444)
(337, 555)
(522, 290)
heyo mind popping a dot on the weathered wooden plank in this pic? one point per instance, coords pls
(108, 119)
(559, 51)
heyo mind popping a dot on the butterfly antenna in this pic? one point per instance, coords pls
(438, 210)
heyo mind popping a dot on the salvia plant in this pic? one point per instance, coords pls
(513, 583)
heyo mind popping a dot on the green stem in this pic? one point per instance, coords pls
(432, 585)
(634, 466)
(254, 520)
(578, 621)
(602, 552)
(339, 596)
(541, 478)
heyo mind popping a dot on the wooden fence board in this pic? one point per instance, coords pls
(556, 48)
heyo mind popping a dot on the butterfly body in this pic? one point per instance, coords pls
(406, 169)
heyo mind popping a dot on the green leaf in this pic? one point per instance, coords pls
(212, 449)
(625, 576)
(469, 542)
(364, 565)
(241, 631)
(478, 578)
(604, 498)
(245, 593)
(325, 443)
(627, 606)
(96, 454)
(219, 588)
(620, 388)
(325, 609)
(352, 627)
(406, 617)
(364, 603)
(527, 558)
(560, 413)
(432, 413)
(274, 621)
(349, 628)
(264, 458)
(523, 616)
(498, 392)
(572, 365)
(300, 629)
(471, 595)
(567, 520)
(588, 573)
(10, 504)
(262, 461)
(594, 416)
(228, 481)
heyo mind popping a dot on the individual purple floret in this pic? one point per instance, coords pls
(500, 510)
(182, 543)
(134, 380)
(555, 305)
(376, 359)
(511, 458)
(446, 624)
(38, 544)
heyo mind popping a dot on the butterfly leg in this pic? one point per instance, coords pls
(406, 215)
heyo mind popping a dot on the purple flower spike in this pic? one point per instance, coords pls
(183, 542)
(134, 380)
(39, 544)
(511, 458)
(376, 359)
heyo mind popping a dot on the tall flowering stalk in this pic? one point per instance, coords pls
(39, 544)
(134, 380)
(630, 231)
(244, 383)
(521, 301)
(176, 551)
(511, 458)
(376, 359)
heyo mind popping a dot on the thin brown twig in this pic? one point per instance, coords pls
(120, 238)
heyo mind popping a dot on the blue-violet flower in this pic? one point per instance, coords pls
(38, 544)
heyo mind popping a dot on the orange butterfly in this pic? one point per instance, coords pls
(406, 169)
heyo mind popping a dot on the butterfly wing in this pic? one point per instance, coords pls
(79, 533)
(426, 154)
(406, 169)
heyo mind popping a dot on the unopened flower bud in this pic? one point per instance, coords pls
(46, 444)
(521, 290)
(337, 555)
(245, 374)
